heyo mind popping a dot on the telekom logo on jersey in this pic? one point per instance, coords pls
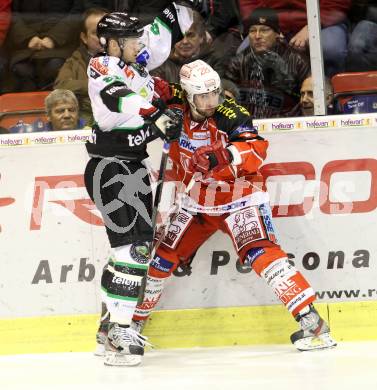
(333, 190)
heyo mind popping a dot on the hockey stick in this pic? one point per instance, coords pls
(160, 184)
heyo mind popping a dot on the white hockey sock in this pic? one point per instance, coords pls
(121, 281)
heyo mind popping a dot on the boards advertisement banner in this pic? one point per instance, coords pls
(323, 190)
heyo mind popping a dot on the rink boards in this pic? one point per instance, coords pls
(322, 185)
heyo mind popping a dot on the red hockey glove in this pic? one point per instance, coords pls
(212, 157)
(162, 89)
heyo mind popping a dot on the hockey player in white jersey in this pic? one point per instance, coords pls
(128, 115)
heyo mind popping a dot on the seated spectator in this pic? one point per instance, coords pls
(307, 99)
(269, 72)
(73, 74)
(193, 46)
(230, 90)
(224, 29)
(5, 17)
(42, 35)
(293, 24)
(62, 109)
(362, 48)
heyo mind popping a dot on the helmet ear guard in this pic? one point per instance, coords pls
(103, 41)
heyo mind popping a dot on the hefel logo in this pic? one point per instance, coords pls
(282, 126)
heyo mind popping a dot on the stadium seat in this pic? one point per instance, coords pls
(23, 111)
(355, 92)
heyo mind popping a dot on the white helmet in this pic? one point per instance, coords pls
(198, 77)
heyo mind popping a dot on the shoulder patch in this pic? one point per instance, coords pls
(97, 66)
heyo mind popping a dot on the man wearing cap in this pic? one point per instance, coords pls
(269, 72)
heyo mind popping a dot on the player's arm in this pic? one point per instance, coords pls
(247, 147)
(117, 97)
(165, 31)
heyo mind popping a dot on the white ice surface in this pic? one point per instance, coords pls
(350, 366)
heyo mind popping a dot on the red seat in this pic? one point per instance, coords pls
(22, 107)
(355, 92)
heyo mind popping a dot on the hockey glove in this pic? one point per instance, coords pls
(212, 157)
(162, 89)
(170, 125)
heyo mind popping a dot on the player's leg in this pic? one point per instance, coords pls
(185, 235)
(122, 194)
(254, 238)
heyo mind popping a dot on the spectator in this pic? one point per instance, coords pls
(307, 100)
(362, 49)
(73, 74)
(62, 109)
(269, 72)
(230, 89)
(42, 35)
(5, 18)
(293, 25)
(193, 46)
(224, 29)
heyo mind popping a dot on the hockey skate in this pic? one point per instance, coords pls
(314, 333)
(124, 346)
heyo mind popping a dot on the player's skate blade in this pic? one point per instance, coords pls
(314, 333)
(121, 359)
(313, 343)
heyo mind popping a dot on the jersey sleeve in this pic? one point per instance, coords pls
(117, 97)
(165, 31)
(114, 102)
(248, 148)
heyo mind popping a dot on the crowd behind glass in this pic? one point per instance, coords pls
(259, 48)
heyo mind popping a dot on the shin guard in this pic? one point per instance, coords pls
(288, 284)
(122, 281)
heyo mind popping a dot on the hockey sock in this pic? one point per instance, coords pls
(152, 294)
(289, 285)
(122, 280)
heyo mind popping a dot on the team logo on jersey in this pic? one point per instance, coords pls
(96, 65)
(201, 135)
(139, 252)
(129, 72)
(185, 143)
(246, 226)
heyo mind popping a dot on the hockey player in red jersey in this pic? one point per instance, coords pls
(221, 149)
